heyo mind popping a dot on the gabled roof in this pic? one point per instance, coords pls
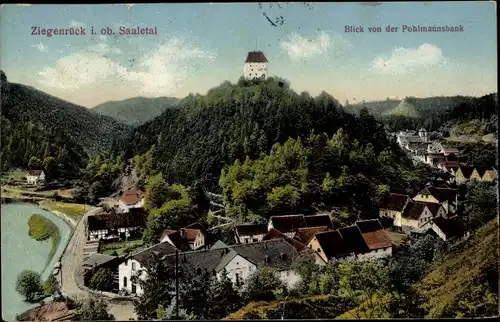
(304, 235)
(36, 173)
(251, 229)
(160, 250)
(256, 57)
(451, 227)
(433, 207)
(332, 244)
(288, 224)
(353, 238)
(374, 234)
(492, 173)
(218, 244)
(113, 220)
(318, 221)
(98, 259)
(132, 196)
(414, 210)
(481, 170)
(192, 261)
(190, 234)
(276, 234)
(466, 171)
(395, 202)
(180, 241)
(441, 194)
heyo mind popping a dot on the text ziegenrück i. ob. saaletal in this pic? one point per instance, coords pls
(405, 28)
(82, 31)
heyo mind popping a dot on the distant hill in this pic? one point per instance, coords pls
(137, 110)
(404, 108)
(35, 123)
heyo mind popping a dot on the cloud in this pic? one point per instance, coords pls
(410, 60)
(160, 72)
(41, 47)
(76, 24)
(102, 37)
(103, 48)
(300, 48)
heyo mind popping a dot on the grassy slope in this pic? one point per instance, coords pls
(460, 271)
(92, 131)
(135, 110)
(405, 109)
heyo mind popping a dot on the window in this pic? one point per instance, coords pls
(254, 240)
(133, 288)
(125, 282)
(133, 266)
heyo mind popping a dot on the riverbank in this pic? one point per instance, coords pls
(41, 228)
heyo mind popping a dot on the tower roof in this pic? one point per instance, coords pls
(256, 57)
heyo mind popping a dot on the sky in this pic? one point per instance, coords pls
(199, 46)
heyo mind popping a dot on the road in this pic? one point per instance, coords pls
(71, 271)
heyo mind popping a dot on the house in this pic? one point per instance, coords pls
(288, 225)
(478, 173)
(132, 265)
(133, 198)
(250, 233)
(276, 234)
(97, 261)
(319, 220)
(36, 177)
(490, 175)
(417, 214)
(446, 196)
(376, 238)
(190, 237)
(238, 261)
(393, 207)
(451, 229)
(255, 66)
(115, 225)
(329, 245)
(304, 235)
(463, 174)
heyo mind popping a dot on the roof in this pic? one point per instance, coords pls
(332, 244)
(450, 150)
(413, 210)
(422, 130)
(492, 173)
(190, 262)
(218, 244)
(159, 250)
(466, 171)
(98, 259)
(451, 227)
(256, 57)
(374, 234)
(304, 235)
(395, 202)
(276, 234)
(433, 207)
(132, 196)
(180, 241)
(35, 172)
(103, 221)
(441, 194)
(353, 238)
(251, 229)
(318, 221)
(190, 234)
(481, 170)
(287, 224)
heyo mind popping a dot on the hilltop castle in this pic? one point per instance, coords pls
(255, 66)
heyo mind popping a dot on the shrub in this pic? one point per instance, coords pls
(29, 284)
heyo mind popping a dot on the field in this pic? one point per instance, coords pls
(121, 247)
(74, 210)
(41, 228)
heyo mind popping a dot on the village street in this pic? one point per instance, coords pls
(71, 271)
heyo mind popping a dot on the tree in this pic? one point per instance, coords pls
(156, 192)
(93, 309)
(481, 204)
(34, 163)
(222, 299)
(29, 284)
(50, 166)
(51, 286)
(195, 292)
(102, 280)
(262, 285)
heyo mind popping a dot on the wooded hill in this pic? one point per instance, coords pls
(137, 110)
(37, 124)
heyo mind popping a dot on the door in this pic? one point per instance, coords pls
(133, 288)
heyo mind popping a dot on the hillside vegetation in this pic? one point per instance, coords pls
(137, 110)
(404, 108)
(465, 284)
(37, 124)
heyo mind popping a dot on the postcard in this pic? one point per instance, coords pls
(206, 161)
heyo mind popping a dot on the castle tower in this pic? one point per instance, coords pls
(255, 66)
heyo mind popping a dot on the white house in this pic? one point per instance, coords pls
(133, 198)
(393, 207)
(35, 177)
(255, 66)
(191, 237)
(449, 229)
(447, 197)
(250, 233)
(114, 225)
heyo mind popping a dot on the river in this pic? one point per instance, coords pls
(20, 252)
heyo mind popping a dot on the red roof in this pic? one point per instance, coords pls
(35, 172)
(288, 224)
(395, 202)
(256, 57)
(131, 197)
(304, 235)
(373, 234)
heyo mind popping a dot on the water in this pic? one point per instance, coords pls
(20, 252)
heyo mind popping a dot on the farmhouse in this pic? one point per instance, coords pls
(276, 234)
(133, 198)
(417, 214)
(114, 225)
(490, 175)
(36, 177)
(447, 197)
(393, 207)
(478, 173)
(288, 225)
(452, 229)
(463, 174)
(190, 237)
(250, 233)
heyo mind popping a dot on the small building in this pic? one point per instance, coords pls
(490, 175)
(417, 214)
(115, 225)
(97, 261)
(304, 235)
(35, 177)
(191, 237)
(376, 238)
(133, 198)
(288, 225)
(452, 229)
(447, 197)
(329, 245)
(393, 207)
(463, 173)
(255, 66)
(478, 173)
(250, 233)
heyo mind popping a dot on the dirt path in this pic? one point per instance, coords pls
(71, 271)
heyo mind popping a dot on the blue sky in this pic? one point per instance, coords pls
(199, 46)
